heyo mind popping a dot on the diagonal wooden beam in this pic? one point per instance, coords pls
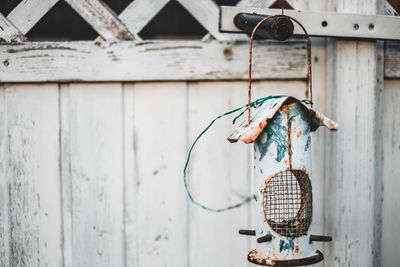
(206, 12)
(140, 12)
(102, 19)
(389, 10)
(29, 12)
(8, 32)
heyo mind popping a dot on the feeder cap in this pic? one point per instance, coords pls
(248, 133)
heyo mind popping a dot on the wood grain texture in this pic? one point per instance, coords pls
(103, 20)
(353, 166)
(29, 12)
(391, 172)
(318, 142)
(156, 203)
(4, 208)
(8, 32)
(33, 174)
(127, 61)
(92, 167)
(218, 177)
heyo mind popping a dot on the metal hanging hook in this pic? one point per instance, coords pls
(308, 58)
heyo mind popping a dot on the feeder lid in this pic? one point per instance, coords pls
(258, 121)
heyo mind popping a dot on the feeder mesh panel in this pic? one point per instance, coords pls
(287, 201)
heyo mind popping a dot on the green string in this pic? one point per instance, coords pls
(255, 104)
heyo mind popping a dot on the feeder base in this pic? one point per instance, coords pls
(258, 258)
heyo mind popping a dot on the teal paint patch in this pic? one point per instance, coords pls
(276, 133)
(286, 246)
(308, 143)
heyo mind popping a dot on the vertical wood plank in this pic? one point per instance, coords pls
(221, 173)
(218, 177)
(318, 146)
(156, 203)
(391, 173)
(4, 211)
(32, 124)
(353, 167)
(92, 165)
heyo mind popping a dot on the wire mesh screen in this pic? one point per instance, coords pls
(288, 203)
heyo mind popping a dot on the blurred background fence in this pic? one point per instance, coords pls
(94, 134)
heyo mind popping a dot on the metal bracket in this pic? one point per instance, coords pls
(324, 24)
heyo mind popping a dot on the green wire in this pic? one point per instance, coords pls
(255, 104)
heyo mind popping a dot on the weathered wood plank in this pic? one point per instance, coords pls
(218, 176)
(127, 61)
(33, 174)
(392, 60)
(92, 147)
(353, 166)
(139, 13)
(102, 19)
(156, 203)
(391, 173)
(8, 32)
(4, 207)
(318, 142)
(29, 12)
(66, 180)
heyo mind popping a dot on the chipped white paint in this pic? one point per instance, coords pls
(102, 19)
(391, 173)
(92, 148)
(8, 32)
(31, 175)
(353, 163)
(127, 61)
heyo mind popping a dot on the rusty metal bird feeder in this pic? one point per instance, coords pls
(280, 131)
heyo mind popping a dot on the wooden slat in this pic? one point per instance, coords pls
(29, 12)
(392, 60)
(139, 13)
(102, 19)
(218, 176)
(66, 174)
(4, 207)
(92, 165)
(127, 61)
(206, 12)
(156, 123)
(391, 173)
(33, 175)
(353, 165)
(318, 142)
(8, 32)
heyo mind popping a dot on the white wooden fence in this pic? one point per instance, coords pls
(94, 135)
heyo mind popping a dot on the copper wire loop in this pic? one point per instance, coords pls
(308, 57)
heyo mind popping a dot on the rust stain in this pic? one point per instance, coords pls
(329, 123)
(299, 133)
(296, 249)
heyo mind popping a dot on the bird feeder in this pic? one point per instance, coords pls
(280, 132)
